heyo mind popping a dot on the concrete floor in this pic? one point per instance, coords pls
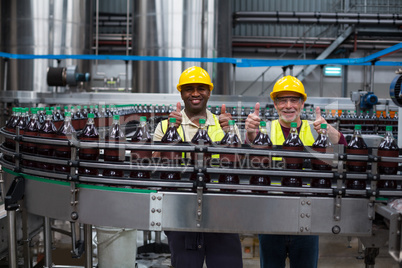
(335, 251)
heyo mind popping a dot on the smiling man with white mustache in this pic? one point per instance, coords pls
(289, 97)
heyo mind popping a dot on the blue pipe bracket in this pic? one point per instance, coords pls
(239, 62)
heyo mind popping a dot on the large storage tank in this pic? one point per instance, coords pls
(180, 28)
(42, 27)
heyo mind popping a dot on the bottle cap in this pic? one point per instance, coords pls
(47, 108)
(91, 115)
(33, 110)
(78, 107)
(48, 112)
(202, 121)
(85, 107)
(293, 124)
(143, 119)
(323, 125)
(116, 117)
(72, 107)
(91, 106)
(67, 114)
(18, 109)
(263, 124)
(58, 108)
(52, 108)
(231, 122)
(388, 128)
(65, 107)
(358, 127)
(172, 120)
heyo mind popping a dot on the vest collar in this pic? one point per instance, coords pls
(186, 121)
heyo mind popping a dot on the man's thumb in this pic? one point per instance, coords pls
(223, 109)
(317, 112)
(178, 107)
(257, 109)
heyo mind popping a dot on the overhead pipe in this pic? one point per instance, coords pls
(300, 20)
(316, 15)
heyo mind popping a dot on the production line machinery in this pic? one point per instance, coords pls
(197, 206)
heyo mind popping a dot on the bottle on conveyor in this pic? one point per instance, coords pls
(65, 132)
(89, 133)
(388, 148)
(261, 141)
(141, 136)
(357, 145)
(115, 135)
(47, 130)
(322, 145)
(175, 158)
(230, 160)
(31, 130)
(201, 136)
(293, 143)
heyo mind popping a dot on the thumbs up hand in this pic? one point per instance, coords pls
(177, 114)
(224, 118)
(318, 119)
(253, 122)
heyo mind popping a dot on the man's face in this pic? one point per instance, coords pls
(195, 97)
(288, 104)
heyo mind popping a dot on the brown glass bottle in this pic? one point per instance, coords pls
(322, 145)
(89, 133)
(201, 136)
(10, 127)
(31, 130)
(171, 137)
(22, 124)
(115, 135)
(389, 148)
(293, 143)
(261, 141)
(65, 132)
(230, 160)
(47, 130)
(141, 136)
(230, 140)
(356, 146)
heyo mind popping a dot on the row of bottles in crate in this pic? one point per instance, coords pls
(388, 147)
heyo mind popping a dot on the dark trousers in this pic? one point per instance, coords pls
(302, 251)
(189, 249)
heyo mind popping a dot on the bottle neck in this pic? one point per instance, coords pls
(143, 124)
(263, 130)
(49, 117)
(357, 132)
(67, 119)
(90, 121)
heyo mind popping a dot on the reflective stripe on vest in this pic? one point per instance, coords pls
(215, 132)
(277, 138)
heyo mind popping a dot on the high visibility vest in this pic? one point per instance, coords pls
(277, 138)
(215, 132)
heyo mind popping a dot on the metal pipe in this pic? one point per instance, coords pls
(315, 15)
(12, 241)
(5, 74)
(88, 245)
(203, 32)
(321, 81)
(26, 239)
(345, 81)
(299, 20)
(47, 234)
(234, 80)
(372, 76)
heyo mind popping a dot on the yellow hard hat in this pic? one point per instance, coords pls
(288, 83)
(195, 75)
